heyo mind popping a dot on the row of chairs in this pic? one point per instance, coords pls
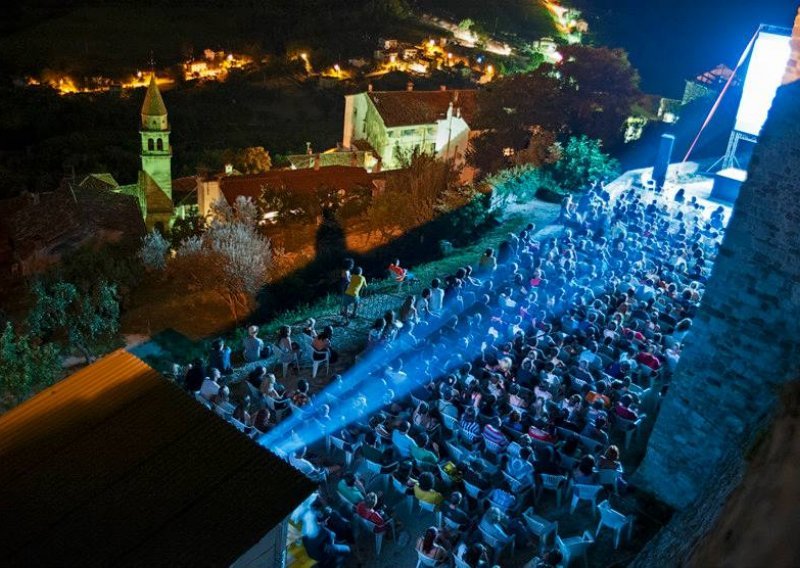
(226, 413)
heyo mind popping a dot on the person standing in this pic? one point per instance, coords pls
(344, 282)
(253, 346)
(352, 295)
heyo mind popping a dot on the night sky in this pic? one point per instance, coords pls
(670, 40)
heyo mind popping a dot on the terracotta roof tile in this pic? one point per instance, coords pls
(408, 108)
(340, 177)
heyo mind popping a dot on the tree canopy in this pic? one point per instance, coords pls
(590, 92)
(230, 258)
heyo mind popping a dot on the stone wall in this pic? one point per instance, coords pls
(744, 343)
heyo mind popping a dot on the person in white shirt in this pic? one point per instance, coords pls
(210, 387)
(437, 296)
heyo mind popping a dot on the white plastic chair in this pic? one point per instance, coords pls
(498, 546)
(451, 524)
(255, 395)
(425, 562)
(446, 479)
(493, 447)
(556, 483)
(431, 508)
(581, 492)
(519, 488)
(340, 444)
(616, 521)
(543, 529)
(573, 547)
(401, 488)
(278, 412)
(608, 478)
(349, 505)
(450, 423)
(315, 363)
(591, 445)
(455, 451)
(304, 342)
(628, 427)
(202, 400)
(375, 469)
(364, 524)
(473, 491)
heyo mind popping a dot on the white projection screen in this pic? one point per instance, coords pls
(764, 73)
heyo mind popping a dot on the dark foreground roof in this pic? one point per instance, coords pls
(115, 466)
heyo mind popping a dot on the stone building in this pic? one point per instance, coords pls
(746, 337)
(153, 188)
(394, 124)
(161, 198)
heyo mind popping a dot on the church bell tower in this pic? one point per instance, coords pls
(156, 151)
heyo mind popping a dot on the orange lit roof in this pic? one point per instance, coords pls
(309, 179)
(116, 466)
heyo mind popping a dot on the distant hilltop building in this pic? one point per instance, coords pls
(392, 125)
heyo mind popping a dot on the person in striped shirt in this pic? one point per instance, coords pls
(492, 433)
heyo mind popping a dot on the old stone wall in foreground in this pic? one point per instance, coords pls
(744, 342)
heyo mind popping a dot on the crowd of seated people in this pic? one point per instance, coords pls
(534, 367)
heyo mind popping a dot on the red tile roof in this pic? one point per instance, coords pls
(339, 177)
(116, 466)
(409, 108)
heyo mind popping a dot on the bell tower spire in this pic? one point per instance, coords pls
(156, 151)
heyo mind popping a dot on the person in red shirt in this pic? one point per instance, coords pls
(399, 273)
(368, 509)
(647, 358)
(623, 409)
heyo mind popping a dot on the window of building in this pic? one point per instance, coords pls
(150, 144)
(408, 132)
(160, 144)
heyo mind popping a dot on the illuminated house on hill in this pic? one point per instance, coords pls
(116, 466)
(394, 124)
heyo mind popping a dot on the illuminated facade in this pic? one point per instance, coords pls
(396, 124)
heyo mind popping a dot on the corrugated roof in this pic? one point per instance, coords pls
(410, 108)
(116, 466)
(153, 103)
(339, 177)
